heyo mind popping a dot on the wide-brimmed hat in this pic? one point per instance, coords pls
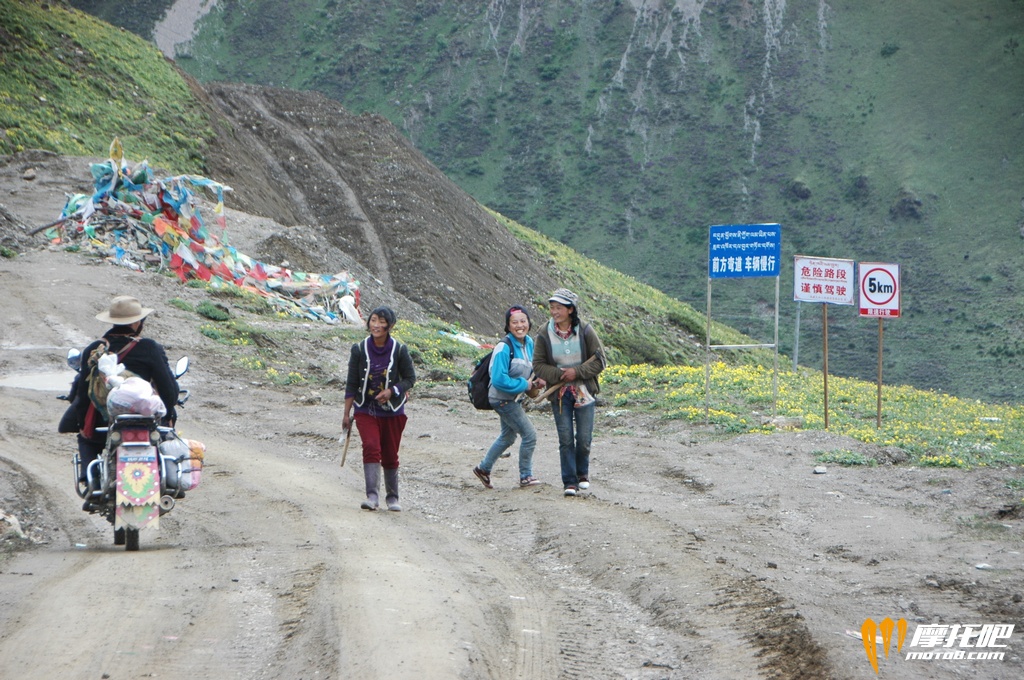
(564, 296)
(124, 309)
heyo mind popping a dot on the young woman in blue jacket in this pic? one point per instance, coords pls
(511, 378)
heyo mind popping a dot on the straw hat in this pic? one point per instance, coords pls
(124, 309)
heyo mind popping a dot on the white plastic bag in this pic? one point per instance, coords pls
(135, 395)
(347, 305)
(108, 366)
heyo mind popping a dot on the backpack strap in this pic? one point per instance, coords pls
(127, 348)
(511, 349)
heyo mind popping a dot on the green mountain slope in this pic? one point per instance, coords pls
(69, 83)
(875, 131)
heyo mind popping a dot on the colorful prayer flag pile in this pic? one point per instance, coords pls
(141, 222)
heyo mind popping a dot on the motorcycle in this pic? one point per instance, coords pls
(143, 469)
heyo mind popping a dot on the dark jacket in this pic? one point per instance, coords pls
(146, 359)
(401, 374)
(593, 360)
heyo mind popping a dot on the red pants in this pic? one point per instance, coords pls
(381, 438)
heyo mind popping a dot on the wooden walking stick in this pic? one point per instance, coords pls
(543, 395)
(344, 451)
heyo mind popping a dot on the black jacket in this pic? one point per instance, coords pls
(146, 359)
(401, 374)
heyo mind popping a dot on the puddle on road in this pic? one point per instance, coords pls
(44, 382)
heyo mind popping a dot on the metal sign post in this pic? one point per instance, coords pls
(830, 282)
(742, 251)
(879, 297)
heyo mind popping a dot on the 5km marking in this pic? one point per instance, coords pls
(879, 286)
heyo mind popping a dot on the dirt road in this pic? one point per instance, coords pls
(688, 558)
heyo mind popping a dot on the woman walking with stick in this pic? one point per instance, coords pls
(380, 375)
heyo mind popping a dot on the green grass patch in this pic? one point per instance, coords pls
(983, 527)
(213, 311)
(181, 304)
(213, 332)
(844, 457)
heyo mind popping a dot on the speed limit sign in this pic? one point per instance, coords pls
(879, 289)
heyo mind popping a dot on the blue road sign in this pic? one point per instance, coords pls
(744, 250)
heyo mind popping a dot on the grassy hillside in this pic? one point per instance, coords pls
(875, 131)
(68, 83)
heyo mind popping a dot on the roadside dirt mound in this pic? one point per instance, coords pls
(301, 159)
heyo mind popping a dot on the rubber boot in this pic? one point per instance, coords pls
(391, 487)
(371, 471)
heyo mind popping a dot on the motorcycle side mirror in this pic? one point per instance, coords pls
(74, 359)
(181, 367)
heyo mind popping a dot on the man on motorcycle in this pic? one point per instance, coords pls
(142, 356)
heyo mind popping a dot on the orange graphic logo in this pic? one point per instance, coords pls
(869, 632)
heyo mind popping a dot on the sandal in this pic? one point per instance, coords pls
(484, 477)
(529, 481)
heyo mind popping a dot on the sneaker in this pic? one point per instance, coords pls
(584, 482)
(529, 481)
(507, 454)
(484, 477)
(570, 491)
